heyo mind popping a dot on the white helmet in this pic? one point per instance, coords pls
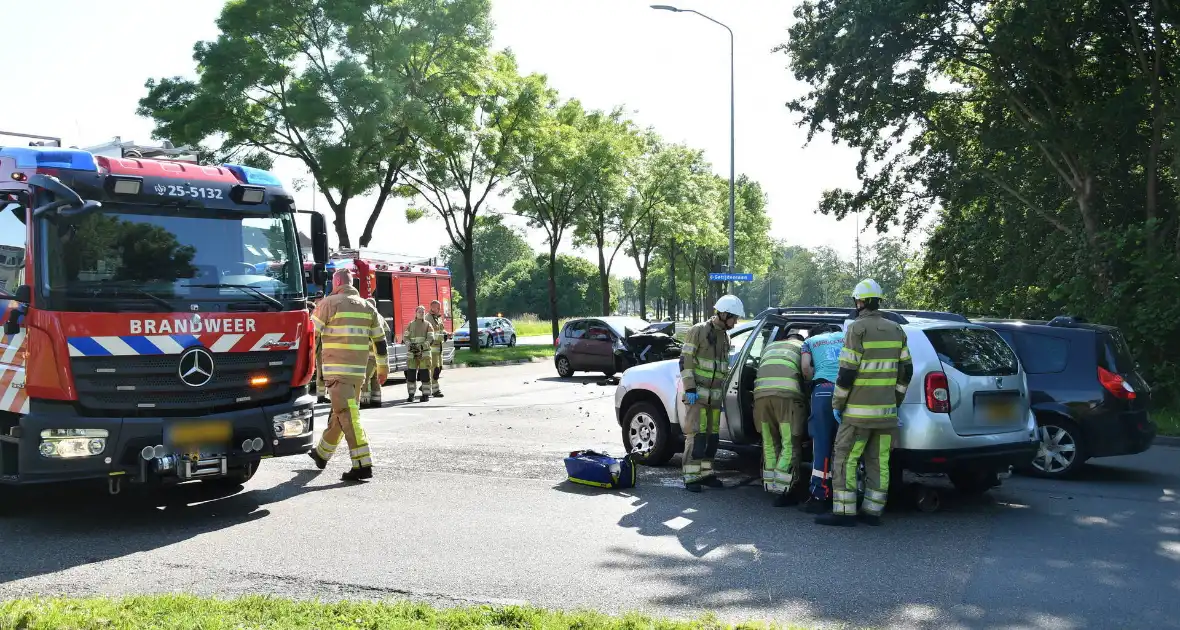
(866, 289)
(730, 304)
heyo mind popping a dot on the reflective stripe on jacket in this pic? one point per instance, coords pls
(778, 370)
(346, 326)
(875, 357)
(704, 361)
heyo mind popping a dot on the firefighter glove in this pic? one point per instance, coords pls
(691, 397)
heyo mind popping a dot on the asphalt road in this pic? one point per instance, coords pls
(469, 505)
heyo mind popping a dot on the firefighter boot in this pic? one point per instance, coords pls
(836, 520)
(869, 519)
(358, 474)
(320, 462)
(786, 499)
(713, 482)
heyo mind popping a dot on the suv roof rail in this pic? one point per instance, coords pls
(943, 315)
(846, 313)
(833, 310)
(1066, 321)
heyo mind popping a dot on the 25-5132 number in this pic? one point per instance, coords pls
(196, 192)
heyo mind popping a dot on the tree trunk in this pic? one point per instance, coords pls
(382, 195)
(341, 227)
(692, 286)
(468, 253)
(642, 293)
(553, 290)
(603, 279)
(672, 281)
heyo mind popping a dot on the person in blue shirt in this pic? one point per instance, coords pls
(820, 365)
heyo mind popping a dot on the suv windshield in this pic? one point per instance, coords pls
(153, 253)
(974, 351)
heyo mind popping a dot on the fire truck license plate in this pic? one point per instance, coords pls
(207, 433)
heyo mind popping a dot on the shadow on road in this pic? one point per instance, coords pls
(1016, 557)
(57, 528)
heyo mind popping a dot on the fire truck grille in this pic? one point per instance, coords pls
(151, 385)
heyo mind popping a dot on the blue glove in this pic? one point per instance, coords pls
(839, 416)
(690, 398)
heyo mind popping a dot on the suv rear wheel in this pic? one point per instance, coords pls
(646, 428)
(564, 369)
(1061, 452)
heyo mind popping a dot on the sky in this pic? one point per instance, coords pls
(82, 83)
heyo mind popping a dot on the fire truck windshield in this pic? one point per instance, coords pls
(151, 255)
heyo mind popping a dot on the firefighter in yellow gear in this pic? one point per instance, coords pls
(371, 388)
(875, 372)
(704, 364)
(439, 322)
(349, 330)
(418, 337)
(780, 416)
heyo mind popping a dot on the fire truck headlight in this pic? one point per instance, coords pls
(293, 423)
(72, 443)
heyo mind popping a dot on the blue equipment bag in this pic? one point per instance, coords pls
(591, 468)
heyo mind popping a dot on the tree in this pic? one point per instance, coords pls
(667, 175)
(495, 246)
(458, 166)
(1043, 132)
(556, 170)
(341, 85)
(606, 219)
(522, 287)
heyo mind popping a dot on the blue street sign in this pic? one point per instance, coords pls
(731, 277)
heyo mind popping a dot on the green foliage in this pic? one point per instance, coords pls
(495, 246)
(1043, 134)
(459, 164)
(341, 85)
(523, 287)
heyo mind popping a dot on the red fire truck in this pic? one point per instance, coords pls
(399, 286)
(141, 344)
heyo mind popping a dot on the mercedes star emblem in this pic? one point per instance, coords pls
(999, 382)
(196, 367)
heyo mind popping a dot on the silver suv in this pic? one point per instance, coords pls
(966, 413)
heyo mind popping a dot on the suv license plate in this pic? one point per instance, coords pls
(997, 411)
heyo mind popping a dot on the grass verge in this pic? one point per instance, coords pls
(188, 612)
(535, 328)
(1168, 421)
(488, 356)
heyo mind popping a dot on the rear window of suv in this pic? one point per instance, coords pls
(974, 351)
(1116, 354)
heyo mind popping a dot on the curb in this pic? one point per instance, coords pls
(1167, 440)
(464, 366)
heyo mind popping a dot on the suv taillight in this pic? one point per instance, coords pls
(1115, 384)
(938, 393)
(556, 342)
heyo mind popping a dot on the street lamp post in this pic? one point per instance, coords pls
(665, 7)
